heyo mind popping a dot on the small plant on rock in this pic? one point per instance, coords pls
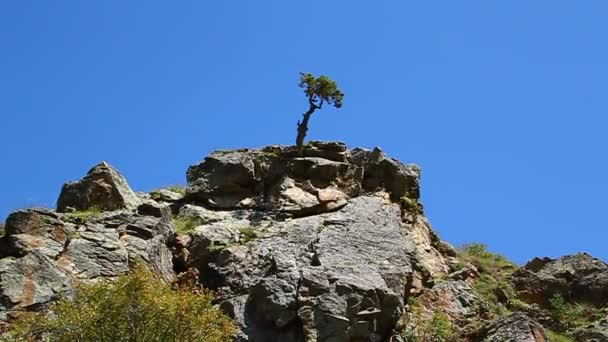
(411, 206)
(186, 225)
(83, 216)
(247, 234)
(180, 189)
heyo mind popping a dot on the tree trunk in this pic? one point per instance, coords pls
(303, 127)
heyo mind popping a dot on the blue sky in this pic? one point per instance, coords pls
(502, 103)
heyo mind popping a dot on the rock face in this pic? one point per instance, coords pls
(313, 247)
(276, 177)
(577, 278)
(46, 253)
(323, 244)
(103, 188)
(516, 327)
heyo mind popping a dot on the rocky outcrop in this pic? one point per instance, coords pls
(313, 245)
(514, 327)
(320, 179)
(577, 278)
(45, 254)
(103, 188)
(319, 244)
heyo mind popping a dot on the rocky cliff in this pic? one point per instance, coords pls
(324, 244)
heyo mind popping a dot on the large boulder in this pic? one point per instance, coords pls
(577, 278)
(103, 188)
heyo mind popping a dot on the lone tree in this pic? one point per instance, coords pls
(319, 90)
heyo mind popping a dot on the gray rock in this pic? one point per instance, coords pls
(151, 208)
(95, 252)
(312, 277)
(381, 171)
(43, 254)
(516, 327)
(29, 283)
(223, 179)
(283, 179)
(595, 332)
(577, 277)
(103, 188)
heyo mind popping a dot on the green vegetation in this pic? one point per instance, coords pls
(319, 90)
(493, 283)
(439, 328)
(2, 229)
(155, 194)
(422, 329)
(412, 206)
(557, 337)
(246, 234)
(135, 308)
(84, 216)
(571, 314)
(186, 225)
(180, 189)
(487, 262)
(415, 168)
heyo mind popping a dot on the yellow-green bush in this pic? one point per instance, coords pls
(185, 225)
(135, 308)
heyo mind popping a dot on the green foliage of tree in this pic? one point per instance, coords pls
(135, 308)
(319, 90)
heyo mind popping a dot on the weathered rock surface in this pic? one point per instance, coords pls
(45, 253)
(314, 245)
(516, 327)
(578, 278)
(341, 275)
(596, 332)
(324, 244)
(103, 188)
(277, 177)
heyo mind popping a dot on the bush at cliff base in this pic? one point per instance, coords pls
(136, 307)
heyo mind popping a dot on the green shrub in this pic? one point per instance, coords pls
(439, 328)
(572, 315)
(419, 328)
(186, 225)
(135, 308)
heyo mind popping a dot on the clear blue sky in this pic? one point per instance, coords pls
(502, 103)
